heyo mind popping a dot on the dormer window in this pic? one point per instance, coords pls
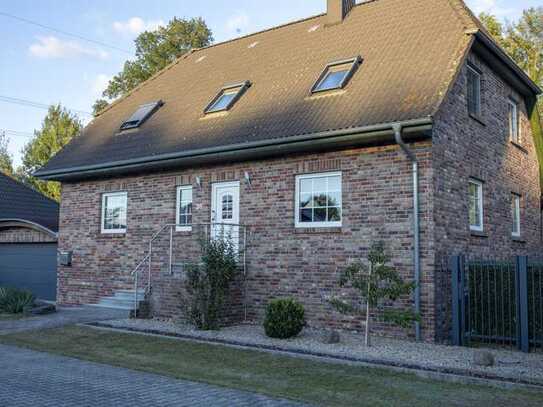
(227, 97)
(336, 75)
(139, 116)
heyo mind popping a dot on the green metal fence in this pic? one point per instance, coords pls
(498, 303)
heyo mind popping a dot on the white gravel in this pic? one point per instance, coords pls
(510, 365)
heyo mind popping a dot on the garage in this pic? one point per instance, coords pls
(28, 239)
(31, 267)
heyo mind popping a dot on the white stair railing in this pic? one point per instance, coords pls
(210, 230)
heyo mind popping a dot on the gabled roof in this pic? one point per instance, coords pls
(411, 51)
(21, 203)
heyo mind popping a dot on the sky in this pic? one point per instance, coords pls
(47, 66)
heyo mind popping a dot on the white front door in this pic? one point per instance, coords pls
(225, 211)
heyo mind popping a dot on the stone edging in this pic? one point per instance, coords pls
(435, 372)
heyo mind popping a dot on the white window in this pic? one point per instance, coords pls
(114, 212)
(475, 205)
(474, 91)
(515, 212)
(514, 128)
(184, 208)
(318, 200)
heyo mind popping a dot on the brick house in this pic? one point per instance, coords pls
(392, 120)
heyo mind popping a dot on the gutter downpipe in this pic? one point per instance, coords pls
(416, 226)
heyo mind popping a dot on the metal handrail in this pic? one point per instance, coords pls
(139, 265)
(148, 256)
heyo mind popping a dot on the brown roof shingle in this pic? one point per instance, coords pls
(410, 51)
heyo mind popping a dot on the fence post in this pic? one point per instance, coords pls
(457, 267)
(521, 278)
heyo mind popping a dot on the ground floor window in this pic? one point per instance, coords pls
(318, 200)
(184, 208)
(114, 212)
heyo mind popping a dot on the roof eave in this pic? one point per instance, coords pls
(488, 49)
(360, 136)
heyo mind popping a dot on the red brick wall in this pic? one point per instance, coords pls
(281, 260)
(464, 147)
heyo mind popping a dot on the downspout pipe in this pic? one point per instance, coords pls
(416, 224)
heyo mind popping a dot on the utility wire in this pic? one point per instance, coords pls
(38, 105)
(80, 37)
(16, 133)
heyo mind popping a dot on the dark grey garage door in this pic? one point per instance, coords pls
(31, 266)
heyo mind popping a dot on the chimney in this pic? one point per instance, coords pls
(337, 10)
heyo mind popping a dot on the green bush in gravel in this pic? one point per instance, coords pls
(285, 318)
(14, 301)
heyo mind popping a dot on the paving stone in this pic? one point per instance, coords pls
(30, 378)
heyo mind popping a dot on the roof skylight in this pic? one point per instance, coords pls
(227, 97)
(140, 115)
(336, 75)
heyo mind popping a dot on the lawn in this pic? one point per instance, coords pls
(330, 384)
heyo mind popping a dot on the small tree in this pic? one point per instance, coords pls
(376, 283)
(207, 283)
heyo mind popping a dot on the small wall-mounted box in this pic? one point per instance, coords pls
(65, 258)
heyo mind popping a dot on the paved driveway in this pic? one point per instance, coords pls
(63, 316)
(30, 378)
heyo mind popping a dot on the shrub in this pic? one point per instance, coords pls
(208, 282)
(376, 283)
(13, 301)
(285, 318)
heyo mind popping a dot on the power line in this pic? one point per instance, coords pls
(38, 105)
(80, 37)
(16, 133)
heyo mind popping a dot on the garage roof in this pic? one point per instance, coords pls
(18, 201)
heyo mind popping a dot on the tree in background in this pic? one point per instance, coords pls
(58, 128)
(98, 106)
(6, 161)
(522, 40)
(154, 51)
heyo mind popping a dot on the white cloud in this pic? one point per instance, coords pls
(136, 25)
(99, 84)
(53, 47)
(493, 7)
(238, 22)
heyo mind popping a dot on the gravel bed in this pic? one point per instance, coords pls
(510, 365)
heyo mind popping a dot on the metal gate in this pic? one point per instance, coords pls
(498, 303)
(30, 266)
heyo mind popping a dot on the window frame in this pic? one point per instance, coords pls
(243, 86)
(105, 195)
(133, 124)
(516, 213)
(308, 225)
(355, 63)
(515, 138)
(480, 186)
(178, 226)
(479, 105)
